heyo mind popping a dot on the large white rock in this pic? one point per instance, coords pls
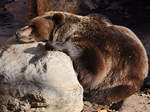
(33, 80)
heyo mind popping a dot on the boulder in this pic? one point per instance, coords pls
(34, 80)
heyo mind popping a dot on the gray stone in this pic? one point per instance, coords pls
(136, 103)
(34, 80)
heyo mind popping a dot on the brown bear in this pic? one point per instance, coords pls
(110, 61)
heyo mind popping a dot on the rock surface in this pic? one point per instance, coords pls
(33, 80)
(136, 103)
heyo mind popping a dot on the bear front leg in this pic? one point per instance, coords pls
(55, 46)
(69, 48)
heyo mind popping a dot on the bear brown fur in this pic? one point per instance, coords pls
(110, 61)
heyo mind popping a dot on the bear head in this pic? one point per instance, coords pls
(40, 28)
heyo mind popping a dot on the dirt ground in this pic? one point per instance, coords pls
(135, 15)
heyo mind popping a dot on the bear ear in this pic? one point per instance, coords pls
(58, 18)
